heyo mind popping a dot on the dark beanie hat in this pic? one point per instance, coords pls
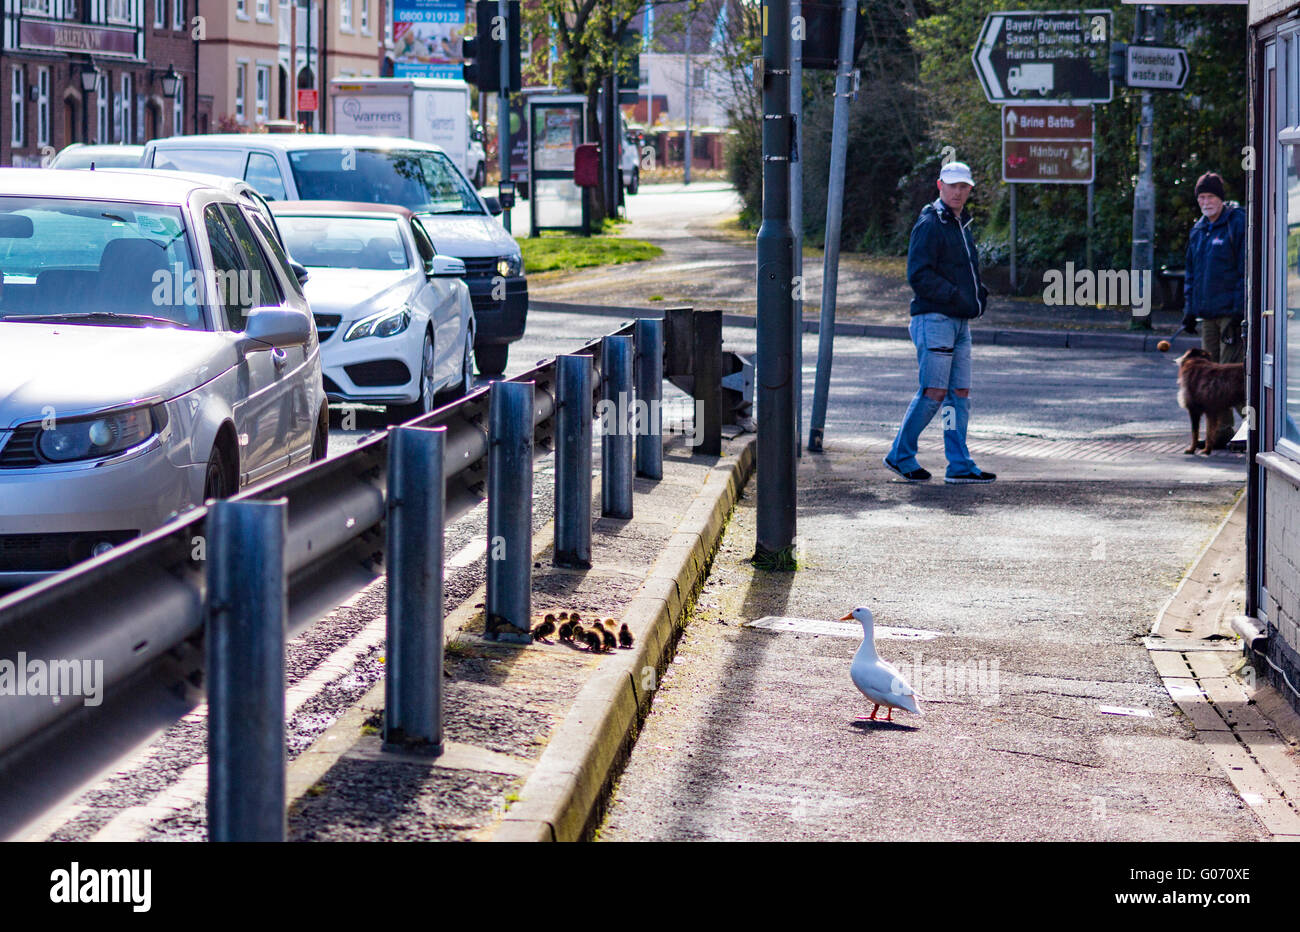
(1211, 183)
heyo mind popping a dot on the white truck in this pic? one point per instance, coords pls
(424, 109)
(1031, 76)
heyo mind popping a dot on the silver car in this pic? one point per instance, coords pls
(156, 350)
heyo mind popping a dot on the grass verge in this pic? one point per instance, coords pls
(547, 253)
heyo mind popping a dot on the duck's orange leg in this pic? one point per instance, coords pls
(890, 716)
(871, 717)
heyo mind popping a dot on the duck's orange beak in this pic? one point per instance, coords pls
(848, 617)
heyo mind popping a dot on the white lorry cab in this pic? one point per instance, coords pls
(425, 109)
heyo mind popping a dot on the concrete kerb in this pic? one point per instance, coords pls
(1060, 339)
(562, 798)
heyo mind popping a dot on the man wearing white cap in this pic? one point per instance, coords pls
(943, 270)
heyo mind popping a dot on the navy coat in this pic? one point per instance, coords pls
(1216, 266)
(943, 266)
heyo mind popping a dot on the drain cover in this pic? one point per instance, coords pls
(837, 628)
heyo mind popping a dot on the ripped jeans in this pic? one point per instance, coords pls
(943, 361)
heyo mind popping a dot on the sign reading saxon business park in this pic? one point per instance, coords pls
(1059, 57)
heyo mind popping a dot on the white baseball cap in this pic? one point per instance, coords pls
(956, 173)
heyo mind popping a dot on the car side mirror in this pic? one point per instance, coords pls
(493, 204)
(445, 267)
(300, 272)
(276, 328)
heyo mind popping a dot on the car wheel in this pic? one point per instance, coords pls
(216, 478)
(636, 181)
(321, 440)
(425, 403)
(466, 383)
(491, 359)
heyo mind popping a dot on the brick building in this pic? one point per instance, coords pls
(132, 44)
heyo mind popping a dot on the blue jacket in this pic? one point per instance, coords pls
(1216, 266)
(943, 266)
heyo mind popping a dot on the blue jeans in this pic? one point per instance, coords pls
(943, 361)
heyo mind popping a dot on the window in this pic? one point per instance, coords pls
(39, 7)
(239, 92)
(126, 102)
(101, 108)
(258, 219)
(241, 9)
(17, 93)
(120, 12)
(264, 10)
(230, 271)
(1289, 337)
(178, 108)
(43, 106)
(213, 161)
(263, 93)
(159, 14)
(263, 174)
(178, 15)
(345, 15)
(365, 16)
(263, 289)
(425, 182)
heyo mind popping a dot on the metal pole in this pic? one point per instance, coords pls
(1013, 239)
(247, 606)
(503, 106)
(573, 375)
(1088, 258)
(706, 364)
(1144, 214)
(649, 338)
(834, 216)
(616, 445)
(416, 509)
(686, 143)
(776, 460)
(510, 508)
(796, 219)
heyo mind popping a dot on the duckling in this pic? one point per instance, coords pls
(566, 633)
(545, 629)
(578, 633)
(549, 617)
(598, 626)
(564, 616)
(624, 637)
(610, 641)
(575, 617)
(593, 642)
(494, 624)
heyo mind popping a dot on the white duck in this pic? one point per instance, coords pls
(878, 679)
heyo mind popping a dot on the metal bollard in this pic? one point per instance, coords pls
(416, 508)
(616, 445)
(708, 381)
(247, 607)
(650, 392)
(573, 375)
(510, 510)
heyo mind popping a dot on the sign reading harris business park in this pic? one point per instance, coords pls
(77, 37)
(426, 38)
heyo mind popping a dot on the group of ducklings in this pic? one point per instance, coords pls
(597, 637)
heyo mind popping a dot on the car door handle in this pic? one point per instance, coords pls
(281, 359)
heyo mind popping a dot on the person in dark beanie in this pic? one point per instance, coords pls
(1215, 290)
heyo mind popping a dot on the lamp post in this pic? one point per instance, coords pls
(169, 80)
(89, 80)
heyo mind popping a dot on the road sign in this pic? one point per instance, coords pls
(307, 99)
(1066, 161)
(1154, 66)
(1061, 57)
(1047, 122)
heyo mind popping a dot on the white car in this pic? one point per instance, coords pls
(156, 351)
(395, 318)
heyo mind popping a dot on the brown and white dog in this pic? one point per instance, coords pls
(1209, 388)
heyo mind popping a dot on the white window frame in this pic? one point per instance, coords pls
(178, 15)
(263, 11)
(128, 100)
(102, 129)
(159, 14)
(17, 109)
(365, 17)
(262, 94)
(42, 106)
(120, 12)
(345, 15)
(241, 9)
(39, 7)
(178, 108)
(241, 90)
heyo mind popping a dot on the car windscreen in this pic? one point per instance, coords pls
(345, 242)
(228, 162)
(424, 182)
(128, 157)
(96, 262)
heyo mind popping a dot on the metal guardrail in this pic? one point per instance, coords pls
(140, 608)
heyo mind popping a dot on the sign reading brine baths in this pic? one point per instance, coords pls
(1047, 57)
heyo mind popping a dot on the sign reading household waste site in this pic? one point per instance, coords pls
(1045, 56)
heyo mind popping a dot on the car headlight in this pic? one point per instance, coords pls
(383, 324)
(508, 266)
(92, 438)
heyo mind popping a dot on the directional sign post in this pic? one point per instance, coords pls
(1155, 66)
(1045, 57)
(1047, 145)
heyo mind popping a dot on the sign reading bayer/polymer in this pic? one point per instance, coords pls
(1059, 57)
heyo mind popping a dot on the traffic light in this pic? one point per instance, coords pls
(821, 42)
(483, 52)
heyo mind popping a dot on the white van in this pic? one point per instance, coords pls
(377, 170)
